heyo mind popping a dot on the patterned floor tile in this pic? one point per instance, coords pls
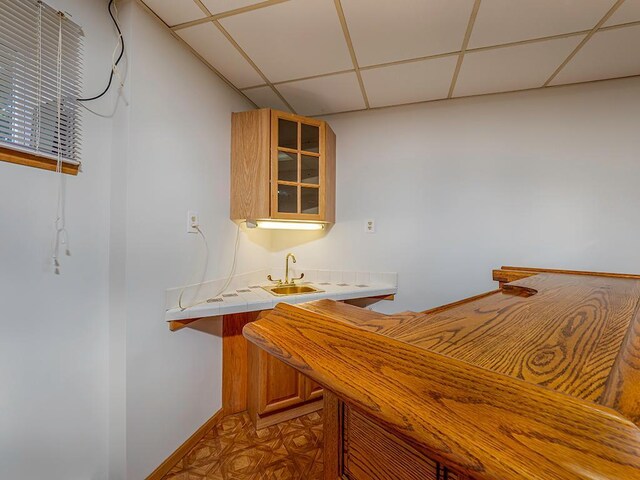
(186, 475)
(283, 470)
(234, 450)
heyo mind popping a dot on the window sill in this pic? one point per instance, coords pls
(30, 160)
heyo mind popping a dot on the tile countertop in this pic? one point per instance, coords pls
(253, 297)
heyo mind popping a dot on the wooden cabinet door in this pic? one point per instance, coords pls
(280, 385)
(298, 183)
(312, 390)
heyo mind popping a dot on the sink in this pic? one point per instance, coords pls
(282, 290)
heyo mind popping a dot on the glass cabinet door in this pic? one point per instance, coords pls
(297, 167)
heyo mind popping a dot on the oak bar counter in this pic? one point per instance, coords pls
(539, 379)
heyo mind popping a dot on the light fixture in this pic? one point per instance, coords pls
(274, 225)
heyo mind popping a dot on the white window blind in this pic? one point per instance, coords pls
(39, 82)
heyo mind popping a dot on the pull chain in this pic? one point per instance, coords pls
(61, 237)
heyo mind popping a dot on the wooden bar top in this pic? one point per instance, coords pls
(537, 380)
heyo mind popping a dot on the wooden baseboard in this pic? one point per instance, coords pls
(183, 449)
(289, 414)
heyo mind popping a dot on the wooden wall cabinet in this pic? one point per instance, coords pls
(282, 167)
(278, 392)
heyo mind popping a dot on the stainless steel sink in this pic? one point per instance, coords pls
(284, 290)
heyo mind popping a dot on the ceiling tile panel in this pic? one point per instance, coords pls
(505, 21)
(174, 12)
(294, 39)
(629, 11)
(265, 97)
(387, 31)
(318, 96)
(219, 6)
(214, 47)
(409, 82)
(512, 68)
(605, 55)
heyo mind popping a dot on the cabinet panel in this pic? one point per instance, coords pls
(287, 133)
(313, 391)
(287, 166)
(277, 392)
(371, 453)
(283, 387)
(250, 164)
(310, 169)
(298, 167)
(330, 176)
(310, 138)
(287, 198)
(309, 200)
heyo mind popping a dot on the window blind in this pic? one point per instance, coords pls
(39, 82)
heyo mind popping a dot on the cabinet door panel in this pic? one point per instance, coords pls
(287, 166)
(310, 169)
(297, 167)
(287, 198)
(283, 386)
(287, 134)
(310, 200)
(310, 138)
(312, 390)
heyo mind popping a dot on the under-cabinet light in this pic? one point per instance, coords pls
(289, 225)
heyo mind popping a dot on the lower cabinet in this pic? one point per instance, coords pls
(277, 392)
(313, 391)
(363, 449)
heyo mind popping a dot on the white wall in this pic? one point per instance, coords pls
(177, 159)
(94, 384)
(543, 178)
(54, 329)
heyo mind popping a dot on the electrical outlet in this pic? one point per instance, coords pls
(370, 226)
(193, 221)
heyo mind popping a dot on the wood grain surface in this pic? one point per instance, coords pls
(31, 160)
(565, 337)
(235, 362)
(623, 387)
(501, 387)
(510, 274)
(330, 175)
(250, 164)
(332, 436)
(373, 453)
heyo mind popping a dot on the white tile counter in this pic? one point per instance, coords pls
(253, 298)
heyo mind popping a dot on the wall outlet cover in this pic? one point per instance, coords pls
(370, 226)
(193, 221)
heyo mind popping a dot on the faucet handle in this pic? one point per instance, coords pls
(293, 280)
(279, 281)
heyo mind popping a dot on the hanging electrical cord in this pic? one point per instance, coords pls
(204, 271)
(227, 282)
(114, 64)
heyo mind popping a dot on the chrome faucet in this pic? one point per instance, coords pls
(286, 272)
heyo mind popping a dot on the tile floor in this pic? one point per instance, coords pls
(234, 450)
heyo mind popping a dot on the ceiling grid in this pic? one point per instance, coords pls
(305, 67)
(465, 44)
(352, 52)
(585, 40)
(196, 54)
(243, 53)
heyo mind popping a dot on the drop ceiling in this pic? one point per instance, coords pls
(317, 57)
